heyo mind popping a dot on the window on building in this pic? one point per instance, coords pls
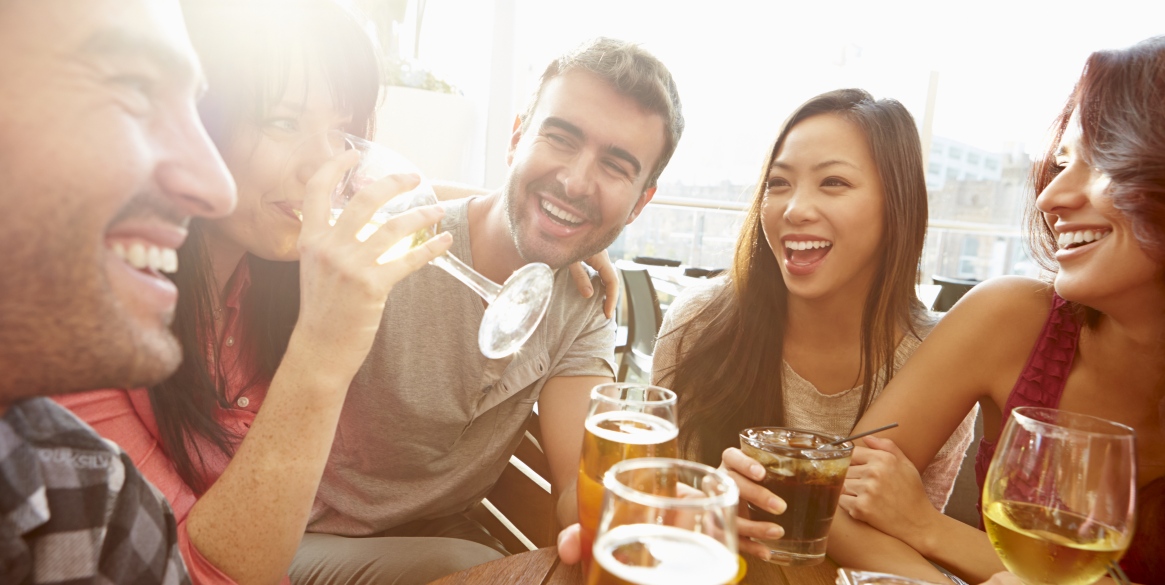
(934, 168)
(955, 153)
(969, 258)
(991, 163)
(972, 158)
(952, 174)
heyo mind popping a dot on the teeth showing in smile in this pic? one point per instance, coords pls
(144, 256)
(792, 245)
(560, 213)
(1070, 239)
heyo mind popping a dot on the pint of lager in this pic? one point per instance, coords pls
(625, 421)
(646, 554)
(666, 521)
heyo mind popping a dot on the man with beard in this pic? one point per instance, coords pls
(429, 423)
(102, 162)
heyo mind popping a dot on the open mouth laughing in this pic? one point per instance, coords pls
(803, 256)
(560, 215)
(146, 256)
(1071, 240)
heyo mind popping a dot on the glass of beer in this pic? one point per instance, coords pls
(624, 421)
(666, 521)
(802, 468)
(515, 307)
(1060, 495)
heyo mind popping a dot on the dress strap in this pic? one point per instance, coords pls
(1041, 383)
(1044, 376)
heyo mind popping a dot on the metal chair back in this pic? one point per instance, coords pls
(644, 317)
(953, 290)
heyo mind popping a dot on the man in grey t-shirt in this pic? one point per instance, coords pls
(429, 423)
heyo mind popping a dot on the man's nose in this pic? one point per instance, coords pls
(190, 169)
(577, 175)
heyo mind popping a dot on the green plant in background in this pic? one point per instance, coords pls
(400, 66)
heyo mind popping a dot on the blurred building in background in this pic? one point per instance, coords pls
(976, 208)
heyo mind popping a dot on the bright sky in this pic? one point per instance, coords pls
(1005, 67)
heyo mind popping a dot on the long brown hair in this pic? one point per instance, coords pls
(248, 48)
(730, 376)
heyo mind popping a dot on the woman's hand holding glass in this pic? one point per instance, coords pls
(747, 473)
(343, 284)
(516, 307)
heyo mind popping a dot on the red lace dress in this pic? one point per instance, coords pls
(1040, 384)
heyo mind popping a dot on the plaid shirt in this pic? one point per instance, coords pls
(73, 509)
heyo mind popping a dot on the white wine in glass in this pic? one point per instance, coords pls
(1060, 495)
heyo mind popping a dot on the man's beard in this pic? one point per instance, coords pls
(77, 336)
(62, 324)
(539, 248)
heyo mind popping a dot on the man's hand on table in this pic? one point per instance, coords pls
(570, 545)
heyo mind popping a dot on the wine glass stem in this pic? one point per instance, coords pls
(481, 285)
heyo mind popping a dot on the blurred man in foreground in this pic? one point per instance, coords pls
(102, 162)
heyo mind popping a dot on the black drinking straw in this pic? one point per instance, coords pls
(860, 435)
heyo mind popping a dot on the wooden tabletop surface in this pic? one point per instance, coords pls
(541, 567)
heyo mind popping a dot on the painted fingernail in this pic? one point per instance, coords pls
(757, 471)
(776, 506)
(775, 532)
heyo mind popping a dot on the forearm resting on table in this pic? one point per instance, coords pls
(858, 545)
(961, 549)
(250, 522)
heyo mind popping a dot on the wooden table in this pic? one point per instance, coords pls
(541, 567)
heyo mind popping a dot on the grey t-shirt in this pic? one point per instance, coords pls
(429, 423)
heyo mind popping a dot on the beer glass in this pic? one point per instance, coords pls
(515, 308)
(805, 471)
(666, 521)
(624, 421)
(1060, 495)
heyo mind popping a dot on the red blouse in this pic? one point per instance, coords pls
(126, 418)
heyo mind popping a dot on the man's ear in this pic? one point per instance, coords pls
(644, 199)
(515, 137)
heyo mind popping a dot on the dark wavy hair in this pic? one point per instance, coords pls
(1121, 101)
(730, 376)
(248, 50)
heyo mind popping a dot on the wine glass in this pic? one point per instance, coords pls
(624, 421)
(1060, 494)
(515, 308)
(666, 521)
